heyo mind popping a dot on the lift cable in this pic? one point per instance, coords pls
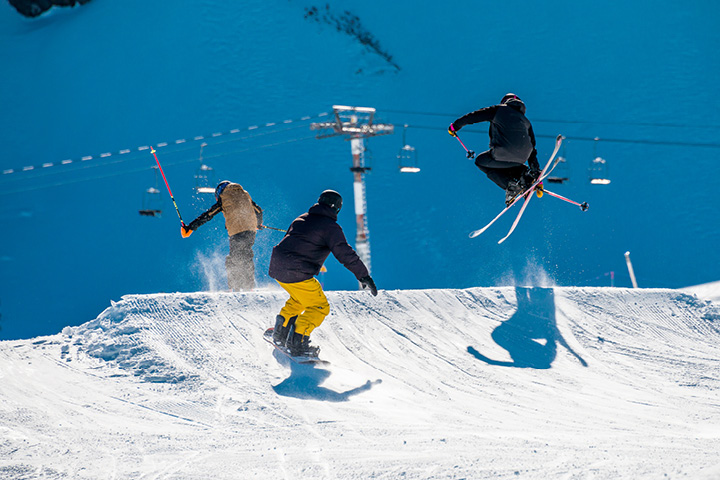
(37, 186)
(571, 122)
(181, 141)
(590, 139)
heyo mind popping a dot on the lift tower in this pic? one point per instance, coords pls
(356, 124)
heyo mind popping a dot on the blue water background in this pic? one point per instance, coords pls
(110, 76)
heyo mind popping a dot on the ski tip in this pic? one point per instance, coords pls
(477, 233)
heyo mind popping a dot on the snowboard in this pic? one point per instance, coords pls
(300, 359)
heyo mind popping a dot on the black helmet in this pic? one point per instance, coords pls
(513, 101)
(219, 189)
(332, 199)
(507, 97)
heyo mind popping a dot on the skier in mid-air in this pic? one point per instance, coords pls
(512, 143)
(298, 258)
(243, 217)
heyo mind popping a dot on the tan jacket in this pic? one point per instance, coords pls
(241, 213)
(239, 210)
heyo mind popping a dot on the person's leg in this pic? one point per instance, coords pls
(283, 328)
(293, 306)
(285, 321)
(500, 173)
(240, 264)
(309, 296)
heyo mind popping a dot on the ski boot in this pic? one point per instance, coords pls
(281, 332)
(299, 346)
(512, 191)
(528, 178)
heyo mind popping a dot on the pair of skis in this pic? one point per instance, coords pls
(528, 194)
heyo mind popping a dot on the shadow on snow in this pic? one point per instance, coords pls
(305, 382)
(531, 335)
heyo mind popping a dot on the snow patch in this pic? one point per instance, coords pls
(477, 383)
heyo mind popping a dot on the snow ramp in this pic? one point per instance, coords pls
(475, 383)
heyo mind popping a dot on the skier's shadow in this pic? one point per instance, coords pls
(305, 382)
(531, 335)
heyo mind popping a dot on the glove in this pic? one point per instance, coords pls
(367, 282)
(185, 231)
(452, 131)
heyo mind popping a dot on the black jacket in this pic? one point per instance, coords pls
(309, 241)
(511, 134)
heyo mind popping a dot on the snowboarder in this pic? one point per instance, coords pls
(243, 217)
(298, 258)
(512, 143)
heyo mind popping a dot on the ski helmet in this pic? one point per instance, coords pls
(219, 189)
(508, 97)
(332, 199)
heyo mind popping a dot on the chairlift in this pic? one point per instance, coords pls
(561, 174)
(151, 200)
(204, 176)
(407, 157)
(598, 170)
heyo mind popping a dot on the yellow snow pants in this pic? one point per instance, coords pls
(307, 301)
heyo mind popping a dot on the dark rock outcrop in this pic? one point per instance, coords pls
(349, 24)
(34, 8)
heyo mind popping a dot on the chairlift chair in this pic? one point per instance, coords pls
(204, 176)
(151, 200)
(598, 170)
(561, 173)
(205, 179)
(407, 157)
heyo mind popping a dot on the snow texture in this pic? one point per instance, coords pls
(477, 383)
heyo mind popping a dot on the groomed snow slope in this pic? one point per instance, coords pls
(478, 383)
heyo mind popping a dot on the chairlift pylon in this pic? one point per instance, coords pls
(407, 156)
(151, 200)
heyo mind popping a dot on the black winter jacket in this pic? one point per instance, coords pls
(511, 133)
(309, 241)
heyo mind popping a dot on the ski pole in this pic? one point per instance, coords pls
(470, 153)
(272, 228)
(583, 206)
(152, 150)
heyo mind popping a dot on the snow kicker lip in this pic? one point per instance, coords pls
(408, 392)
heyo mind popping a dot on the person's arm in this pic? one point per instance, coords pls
(202, 219)
(483, 115)
(533, 161)
(350, 259)
(345, 254)
(258, 214)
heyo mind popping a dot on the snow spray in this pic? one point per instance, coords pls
(211, 267)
